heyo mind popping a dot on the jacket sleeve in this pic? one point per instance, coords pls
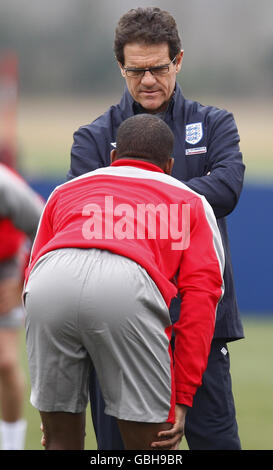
(201, 286)
(85, 154)
(222, 187)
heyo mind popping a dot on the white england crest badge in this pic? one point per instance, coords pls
(194, 133)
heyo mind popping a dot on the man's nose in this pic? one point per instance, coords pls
(148, 78)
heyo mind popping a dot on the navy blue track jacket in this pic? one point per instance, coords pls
(206, 140)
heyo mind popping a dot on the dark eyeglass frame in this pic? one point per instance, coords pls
(158, 70)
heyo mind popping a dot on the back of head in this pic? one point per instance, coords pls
(145, 137)
(146, 25)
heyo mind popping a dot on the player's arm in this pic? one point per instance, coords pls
(222, 186)
(200, 282)
(19, 202)
(201, 286)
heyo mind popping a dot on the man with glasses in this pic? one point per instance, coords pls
(208, 159)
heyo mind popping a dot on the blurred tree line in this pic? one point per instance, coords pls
(67, 46)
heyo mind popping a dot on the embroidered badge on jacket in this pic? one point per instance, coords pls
(194, 133)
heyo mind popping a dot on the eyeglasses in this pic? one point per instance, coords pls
(158, 70)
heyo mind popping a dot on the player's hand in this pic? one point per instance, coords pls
(43, 441)
(170, 439)
(10, 295)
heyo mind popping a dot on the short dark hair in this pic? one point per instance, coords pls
(149, 26)
(145, 137)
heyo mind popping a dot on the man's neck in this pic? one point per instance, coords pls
(138, 163)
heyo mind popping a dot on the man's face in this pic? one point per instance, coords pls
(153, 92)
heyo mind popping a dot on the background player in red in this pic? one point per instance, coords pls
(20, 210)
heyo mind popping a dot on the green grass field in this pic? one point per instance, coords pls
(251, 368)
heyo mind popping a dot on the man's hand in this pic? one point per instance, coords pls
(10, 295)
(43, 441)
(170, 440)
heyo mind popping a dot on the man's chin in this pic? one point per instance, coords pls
(153, 107)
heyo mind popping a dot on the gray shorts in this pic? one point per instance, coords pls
(90, 307)
(11, 268)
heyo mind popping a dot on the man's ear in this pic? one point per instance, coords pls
(179, 59)
(113, 155)
(169, 166)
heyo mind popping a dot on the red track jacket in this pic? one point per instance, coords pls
(134, 209)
